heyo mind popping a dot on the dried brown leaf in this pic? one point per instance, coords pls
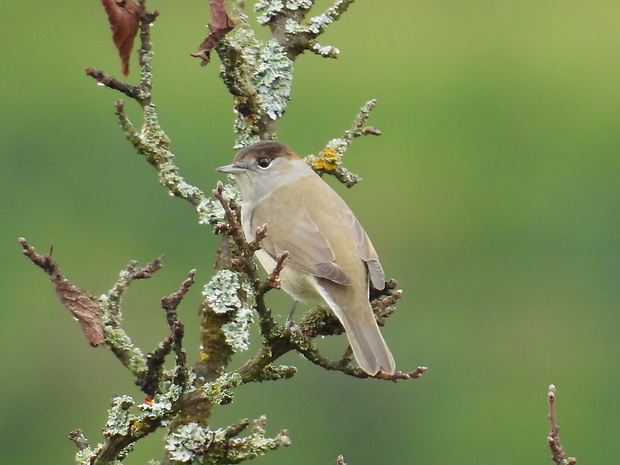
(124, 20)
(76, 300)
(83, 308)
(219, 26)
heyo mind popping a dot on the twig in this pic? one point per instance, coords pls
(171, 302)
(273, 280)
(231, 227)
(111, 82)
(557, 451)
(117, 339)
(151, 141)
(330, 158)
(418, 372)
(150, 380)
(259, 236)
(79, 439)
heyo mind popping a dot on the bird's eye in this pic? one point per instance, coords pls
(264, 162)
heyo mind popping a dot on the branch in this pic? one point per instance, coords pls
(117, 339)
(329, 159)
(259, 75)
(273, 280)
(151, 141)
(557, 451)
(149, 382)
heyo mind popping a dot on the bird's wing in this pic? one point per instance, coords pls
(365, 248)
(309, 250)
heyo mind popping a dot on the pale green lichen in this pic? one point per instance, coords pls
(119, 417)
(329, 160)
(86, 456)
(210, 211)
(238, 68)
(188, 441)
(317, 24)
(273, 79)
(299, 4)
(274, 373)
(227, 293)
(293, 27)
(257, 443)
(245, 134)
(201, 445)
(267, 9)
(326, 51)
(219, 391)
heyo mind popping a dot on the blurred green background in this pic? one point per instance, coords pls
(492, 196)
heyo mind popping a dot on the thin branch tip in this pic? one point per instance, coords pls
(558, 455)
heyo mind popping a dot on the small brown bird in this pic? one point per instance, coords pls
(330, 254)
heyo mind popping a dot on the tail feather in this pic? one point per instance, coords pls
(369, 347)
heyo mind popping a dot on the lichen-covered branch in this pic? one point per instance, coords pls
(116, 338)
(150, 140)
(329, 160)
(259, 75)
(200, 444)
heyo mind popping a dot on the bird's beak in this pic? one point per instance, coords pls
(230, 169)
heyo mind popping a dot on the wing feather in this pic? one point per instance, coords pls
(309, 250)
(365, 248)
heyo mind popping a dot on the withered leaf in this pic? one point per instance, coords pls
(219, 26)
(83, 308)
(124, 21)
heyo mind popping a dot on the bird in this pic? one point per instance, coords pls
(330, 256)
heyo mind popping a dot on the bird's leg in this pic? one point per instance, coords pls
(290, 324)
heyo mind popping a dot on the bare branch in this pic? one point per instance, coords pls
(231, 227)
(106, 80)
(557, 451)
(273, 280)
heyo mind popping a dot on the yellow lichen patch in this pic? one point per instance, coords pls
(328, 160)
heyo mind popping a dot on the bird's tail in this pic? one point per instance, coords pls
(369, 347)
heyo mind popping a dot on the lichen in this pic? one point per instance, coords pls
(201, 445)
(267, 9)
(119, 417)
(326, 51)
(299, 4)
(257, 443)
(85, 456)
(188, 441)
(219, 391)
(273, 79)
(328, 160)
(228, 294)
